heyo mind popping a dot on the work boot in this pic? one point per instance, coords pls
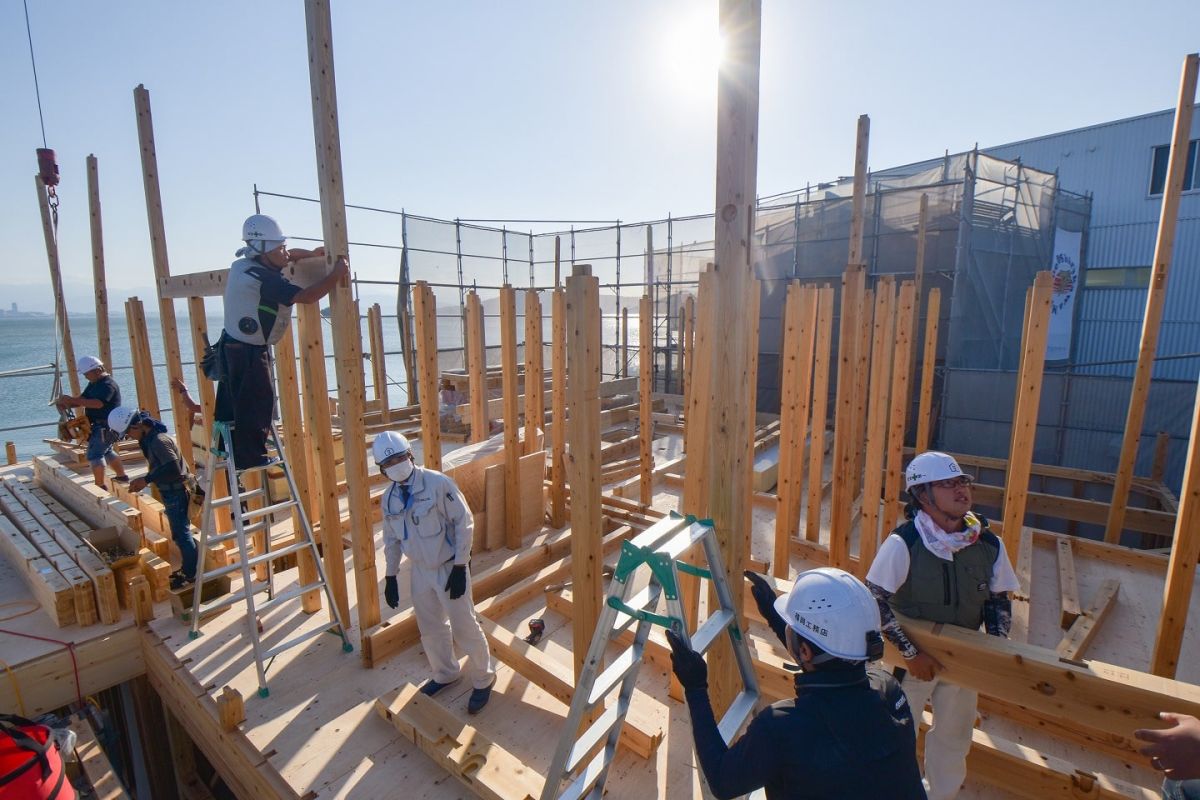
(479, 698)
(180, 581)
(432, 687)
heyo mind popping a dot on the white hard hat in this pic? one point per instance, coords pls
(88, 363)
(261, 228)
(388, 444)
(120, 417)
(832, 609)
(930, 466)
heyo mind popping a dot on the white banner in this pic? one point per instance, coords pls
(1067, 280)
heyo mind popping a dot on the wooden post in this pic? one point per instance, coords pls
(624, 371)
(689, 356)
(681, 353)
(799, 330)
(583, 459)
(731, 418)
(204, 387)
(752, 305)
(379, 361)
(695, 477)
(822, 355)
(925, 410)
(231, 708)
(1156, 295)
(477, 369)
(50, 234)
(844, 419)
(425, 317)
(558, 368)
(139, 353)
(919, 281)
(859, 196)
(103, 337)
(404, 322)
(1158, 469)
(645, 380)
(162, 269)
(862, 375)
(882, 358)
(535, 401)
(297, 455)
(512, 441)
(898, 411)
(10, 450)
(1020, 459)
(322, 464)
(1181, 569)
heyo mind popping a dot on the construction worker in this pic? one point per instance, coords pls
(258, 301)
(1175, 751)
(98, 399)
(848, 732)
(166, 469)
(426, 518)
(941, 565)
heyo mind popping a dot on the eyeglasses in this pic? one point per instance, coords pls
(953, 483)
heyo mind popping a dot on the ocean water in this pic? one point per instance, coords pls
(26, 418)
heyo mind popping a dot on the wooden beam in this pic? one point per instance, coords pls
(1144, 520)
(158, 251)
(1156, 295)
(103, 337)
(1087, 625)
(893, 481)
(558, 361)
(1068, 587)
(933, 308)
(883, 355)
(845, 419)
(477, 397)
(623, 369)
(862, 375)
(210, 283)
(799, 333)
(1158, 468)
(1033, 360)
(50, 235)
(512, 446)
(379, 378)
(822, 357)
(583, 458)
(535, 402)
(752, 308)
(645, 401)
(425, 317)
(347, 343)
(198, 321)
(139, 352)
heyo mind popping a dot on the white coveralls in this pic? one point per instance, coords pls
(434, 528)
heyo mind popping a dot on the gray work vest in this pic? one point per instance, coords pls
(946, 591)
(245, 313)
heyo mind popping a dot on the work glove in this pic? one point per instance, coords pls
(391, 593)
(456, 584)
(687, 664)
(764, 598)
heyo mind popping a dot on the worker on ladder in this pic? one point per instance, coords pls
(258, 301)
(848, 732)
(98, 399)
(941, 565)
(425, 517)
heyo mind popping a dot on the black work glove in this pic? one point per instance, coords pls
(391, 593)
(456, 584)
(687, 664)
(764, 598)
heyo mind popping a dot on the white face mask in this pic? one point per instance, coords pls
(400, 472)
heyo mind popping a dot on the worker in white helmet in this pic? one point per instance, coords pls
(942, 565)
(98, 399)
(426, 518)
(847, 734)
(258, 308)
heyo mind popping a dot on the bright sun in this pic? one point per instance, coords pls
(692, 52)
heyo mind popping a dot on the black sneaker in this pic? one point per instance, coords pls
(432, 687)
(180, 581)
(479, 698)
(121, 478)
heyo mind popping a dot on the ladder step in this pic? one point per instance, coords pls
(586, 779)
(230, 599)
(739, 711)
(274, 554)
(596, 733)
(645, 600)
(295, 640)
(290, 594)
(271, 462)
(257, 513)
(220, 502)
(681, 542)
(707, 633)
(621, 667)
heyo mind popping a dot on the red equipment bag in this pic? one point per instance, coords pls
(30, 766)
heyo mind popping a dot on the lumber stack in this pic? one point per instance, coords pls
(94, 506)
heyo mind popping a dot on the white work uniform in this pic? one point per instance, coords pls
(433, 527)
(954, 707)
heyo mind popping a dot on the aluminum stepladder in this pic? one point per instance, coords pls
(658, 548)
(246, 523)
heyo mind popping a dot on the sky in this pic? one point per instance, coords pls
(547, 110)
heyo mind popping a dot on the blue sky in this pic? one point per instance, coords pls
(559, 109)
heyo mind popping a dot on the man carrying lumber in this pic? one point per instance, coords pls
(425, 517)
(166, 469)
(941, 565)
(258, 306)
(98, 398)
(848, 732)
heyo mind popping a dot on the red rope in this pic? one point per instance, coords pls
(70, 650)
